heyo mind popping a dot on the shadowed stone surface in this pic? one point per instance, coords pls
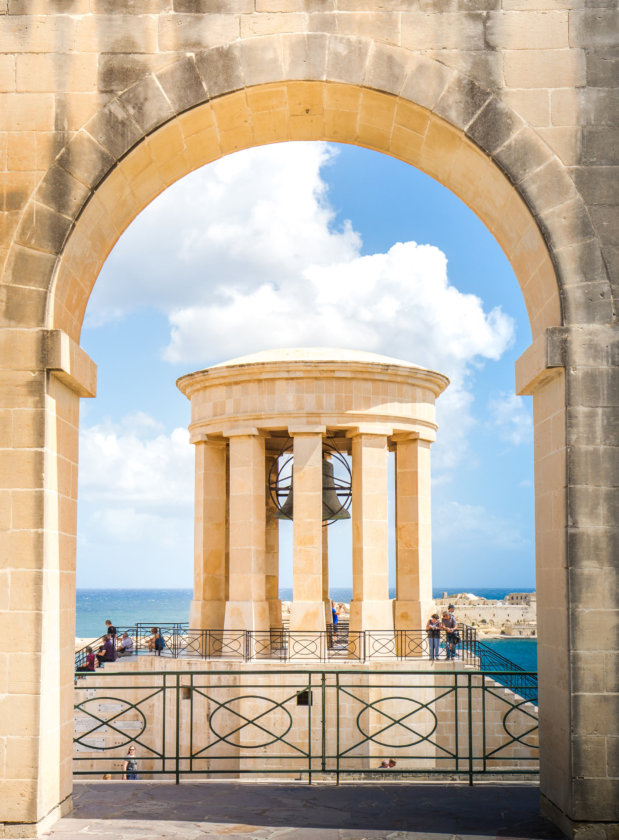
(318, 812)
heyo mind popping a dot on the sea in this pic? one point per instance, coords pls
(125, 607)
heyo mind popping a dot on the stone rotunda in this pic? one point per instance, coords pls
(312, 403)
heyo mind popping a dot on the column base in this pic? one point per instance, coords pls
(371, 615)
(411, 615)
(207, 615)
(247, 615)
(40, 828)
(575, 829)
(307, 615)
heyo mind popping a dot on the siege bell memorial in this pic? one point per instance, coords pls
(512, 106)
(317, 403)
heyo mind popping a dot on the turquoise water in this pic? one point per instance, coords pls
(125, 607)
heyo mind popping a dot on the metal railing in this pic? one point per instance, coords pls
(286, 645)
(304, 723)
(514, 677)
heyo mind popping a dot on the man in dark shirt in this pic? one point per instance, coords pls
(111, 630)
(107, 651)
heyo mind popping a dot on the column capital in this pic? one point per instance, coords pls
(370, 430)
(200, 437)
(403, 437)
(241, 431)
(308, 429)
(412, 437)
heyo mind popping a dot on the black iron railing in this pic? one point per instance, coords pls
(304, 723)
(286, 645)
(343, 644)
(515, 678)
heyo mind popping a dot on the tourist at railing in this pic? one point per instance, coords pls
(125, 646)
(450, 626)
(156, 642)
(90, 661)
(107, 651)
(434, 635)
(110, 629)
(335, 612)
(130, 766)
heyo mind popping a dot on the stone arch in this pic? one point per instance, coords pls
(314, 86)
(348, 89)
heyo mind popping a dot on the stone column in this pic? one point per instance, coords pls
(209, 588)
(413, 604)
(307, 612)
(247, 607)
(325, 576)
(271, 564)
(370, 608)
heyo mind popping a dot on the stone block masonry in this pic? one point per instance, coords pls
(510, 104)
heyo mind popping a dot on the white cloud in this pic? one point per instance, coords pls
(244, 255)
(473, 525)
(511, 415)
(133, 466)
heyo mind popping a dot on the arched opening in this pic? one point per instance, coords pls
(331, 111)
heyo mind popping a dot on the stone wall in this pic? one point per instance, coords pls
(509, 103)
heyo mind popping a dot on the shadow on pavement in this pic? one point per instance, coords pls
(484, 811)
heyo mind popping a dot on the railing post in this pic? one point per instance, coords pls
(470, 715)
(309, 732)
(323, 689)
(178, 728)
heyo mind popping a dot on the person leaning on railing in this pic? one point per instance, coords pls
(156, 641)
(450, 626)
(433, 628)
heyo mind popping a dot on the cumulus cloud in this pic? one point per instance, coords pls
(133, 466)
(245, 254)
(511, 416)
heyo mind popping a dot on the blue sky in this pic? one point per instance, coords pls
(304, 244)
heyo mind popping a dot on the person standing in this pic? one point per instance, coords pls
(110, 629)
(450, 626)
(433, 628)
(130, 767)
(336, 617)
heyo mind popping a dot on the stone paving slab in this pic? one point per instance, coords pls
(266, 811)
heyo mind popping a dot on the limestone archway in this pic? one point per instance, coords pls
(347, 89)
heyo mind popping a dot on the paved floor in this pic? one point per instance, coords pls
(233, 811)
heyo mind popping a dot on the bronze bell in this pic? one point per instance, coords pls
(332, 508)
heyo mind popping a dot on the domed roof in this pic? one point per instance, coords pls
(315, 354)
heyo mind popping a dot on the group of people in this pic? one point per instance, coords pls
(114, 646)
(387, 764)
(449, 625)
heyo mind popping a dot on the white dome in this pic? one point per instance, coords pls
(315, 354)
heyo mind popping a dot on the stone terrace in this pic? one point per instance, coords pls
(127, 811)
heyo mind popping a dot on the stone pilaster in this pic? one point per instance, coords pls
(209, 599)
(247, 607)
(370, 608)
(307, 611)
